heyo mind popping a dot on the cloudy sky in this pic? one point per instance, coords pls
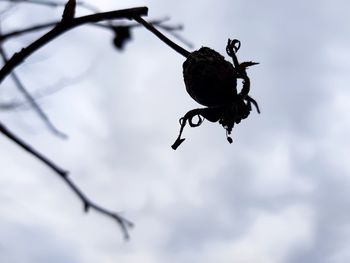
(278, 194)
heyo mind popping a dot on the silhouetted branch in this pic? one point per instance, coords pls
(87, 203)
(19, 57)
(32, 151)
(53, 4)
(42, 115)
(162, 37)
(38, 2)
(43, 92)
(69, 22)
(27, 30)
(61, 28)
(158, 23)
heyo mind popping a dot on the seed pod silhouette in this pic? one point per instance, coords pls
(209, 78)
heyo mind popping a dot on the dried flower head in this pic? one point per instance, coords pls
(209, 78)
(212, 81)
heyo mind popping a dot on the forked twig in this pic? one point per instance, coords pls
(87, 203)
(38, 2)
(158, 23)
(42, 115)
(61, 28)
(19, 57)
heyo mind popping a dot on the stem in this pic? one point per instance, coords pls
(36, 2)
(162, 37)
(32, 151)
(61, 28)
(27, 30)
(87, 203)
(42, 115)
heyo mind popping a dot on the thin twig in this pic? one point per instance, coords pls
(170, 29)
(42, 115)
(53, 4)
(32, 151)
(162, 37)
(61, 28)
(158, 23)
(27, 30)
(38, 2)
(24, 53)
(44, 92)
(87, 203)
(178, 37)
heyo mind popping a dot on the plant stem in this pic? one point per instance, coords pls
(32, 151)
(42, 115)
(162, 37)
(87, 203)
(61, 28)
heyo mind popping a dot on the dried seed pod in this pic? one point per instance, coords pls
(209, 78)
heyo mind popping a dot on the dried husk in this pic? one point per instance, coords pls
(209, 78)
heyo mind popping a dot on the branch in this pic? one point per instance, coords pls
(61, 28)
(32, 151)
(38, 2)
(87, 203)
(27, 30)
(19, 57)
(157, 23)
(42, 115)
(43, 92)
(53, 4)
(162, 37)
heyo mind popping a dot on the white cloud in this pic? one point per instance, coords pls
(277, 194)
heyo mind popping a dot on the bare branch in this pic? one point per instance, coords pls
(61, 28)
(27, 30)
(43, 92)
(162, 37)
(32, 151)
(158, 23)
(53, 4)
(42, 115)
(18, 58)
(57, 30)
(87, 203)
(38, 2)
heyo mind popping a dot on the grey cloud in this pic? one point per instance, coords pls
(286, 157)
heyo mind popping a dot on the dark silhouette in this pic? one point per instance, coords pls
(68, 22)
(211, 81)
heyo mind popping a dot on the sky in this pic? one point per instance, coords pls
(278, 194)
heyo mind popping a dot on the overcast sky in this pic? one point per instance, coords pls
(278, 194)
